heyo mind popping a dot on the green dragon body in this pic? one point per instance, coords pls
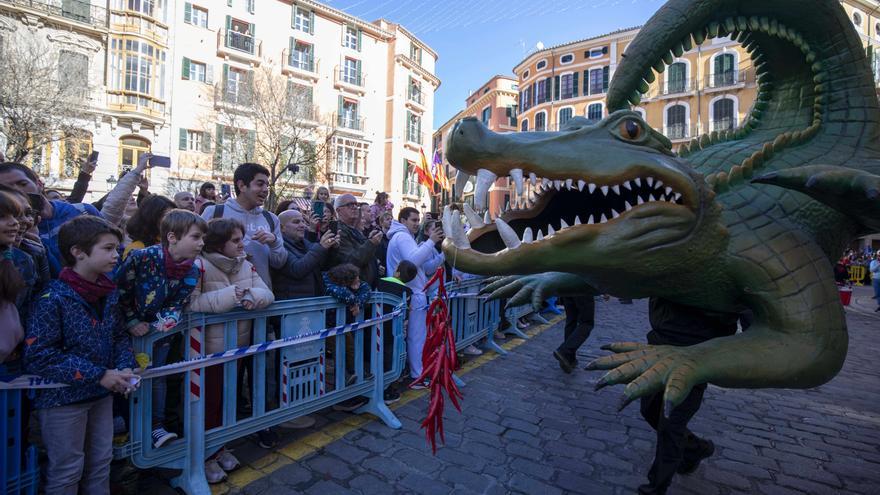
(739, 219)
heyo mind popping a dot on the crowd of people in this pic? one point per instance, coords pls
(79, 281)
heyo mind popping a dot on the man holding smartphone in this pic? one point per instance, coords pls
(354, 247)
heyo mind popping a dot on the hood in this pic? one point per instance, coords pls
(235, 206)
(396, 228)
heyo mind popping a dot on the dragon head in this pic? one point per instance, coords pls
(614, 191)
(609, 191)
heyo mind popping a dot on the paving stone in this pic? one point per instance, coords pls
(522, 450)
(603, 459)
(526, 484)
(292, 474)
(368, 484)
(348, 453)
(455, 475)
(417, 483)
(326, 487)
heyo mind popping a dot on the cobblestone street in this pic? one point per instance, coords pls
(528, 428)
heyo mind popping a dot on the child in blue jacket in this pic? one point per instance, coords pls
(75, 335)
(154, 287)
(343, 282)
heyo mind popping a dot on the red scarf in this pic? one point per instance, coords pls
(92, 292)
(173, 269)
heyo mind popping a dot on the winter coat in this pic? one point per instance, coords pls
(113, 207)
(301, 274)
(49, 227)
(263, 256)
(41, 262)
(356, 249)
(402, 246)
(26, 267)
(70, 341)
(146, 292)
(215, 293)
(345, 295)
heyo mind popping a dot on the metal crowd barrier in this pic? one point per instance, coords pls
(291, 373)
(19, 471)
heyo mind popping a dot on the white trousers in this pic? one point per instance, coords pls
(416, 331)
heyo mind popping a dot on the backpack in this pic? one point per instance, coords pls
(218, 213)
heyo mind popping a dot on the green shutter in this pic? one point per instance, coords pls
(605, 72)
(588, 86)
(358, 71)
(251, 144)
(311, 22)
(181, 144)
(225, 76)
(252, 5)
(574, 84)
(206, 142)
(555, 87)
(293, 16)
(187, 13)
(229, 3)
(339, 114)
(218, 149)
(184, 73)
(253, 31)
(359, 40)
(290, 53)
(229, 23)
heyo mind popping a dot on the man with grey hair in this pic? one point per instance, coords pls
(185, 200)
(354, 247)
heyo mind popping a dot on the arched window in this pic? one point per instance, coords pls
(594, 112)
(541, 64)
(723, 114)
(74, 149)
(130, 148)
(725, 70)
(541, 121)
(564, 116)
(524, 126)
(676, 78)
(676, 122)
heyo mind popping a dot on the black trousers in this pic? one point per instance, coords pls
(675, 442)
(580, 315)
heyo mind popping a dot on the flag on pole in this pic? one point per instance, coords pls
(440, 172)
(424, 172)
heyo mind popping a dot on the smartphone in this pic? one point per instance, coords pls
(318, 208)
(225, 190)
(334, 227)
(93, 156)
(37, 202)
(160, 161)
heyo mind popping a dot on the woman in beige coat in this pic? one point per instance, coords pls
(228, 281)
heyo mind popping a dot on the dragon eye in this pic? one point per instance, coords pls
(631, 129)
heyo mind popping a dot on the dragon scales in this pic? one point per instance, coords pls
(741, 219)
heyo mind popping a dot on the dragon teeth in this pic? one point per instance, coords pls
(604, 219)
(540, 235)
(581, 185)
(639, 200)
(563, 225)
(527, 236)
(614, 213)
(616, 189)
(568, 183)
(511, 240)
(659, 184)
(550, 230)
(557, 184)
(592, 188)
(485, 179)
(677, 196)
(517, 175)
(533, 179)
(627, 185)
(604, 190)
(577, 220)
(668, 190)
(638, 181)
(472, 216)
(650, 181)
(628, 206)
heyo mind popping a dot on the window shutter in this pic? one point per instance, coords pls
(219, 148)
(251, 144)
(341, 107)
(209, 74)
(548, 93)
(358, 69)
(184, 73)
(290, 52)
(181, 143)
(225, 75)
(360, 39)
(252, 6)
(206, 142)
(229, 23)
(253, 31)
(605, 71)
(187, 13)
(293, 16)
(311, 22)
(229, 3)
(534, 96)
(574, 85)
(555, 87)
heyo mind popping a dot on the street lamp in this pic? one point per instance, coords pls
(111, 181)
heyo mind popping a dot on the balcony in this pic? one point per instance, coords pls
(79, 11)
(730, 79)
(132, 101)
(232, 97)
(350, 122)
(677, 87)
(677, 132)
(415, 99)
(305, 114)
(723, 125)
(300, 64)
(349, 81)
(235, 44)
(347, 180)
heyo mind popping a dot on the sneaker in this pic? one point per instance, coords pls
(472, 350)
(299, 423)
(226, 460)
(688, 466)
(537, 318)
(499, 335)
(522, 324)
(391, 396)
(420, 385)
(565, 363)
(213, 472)
(350, 404)
(267, 438)
(161, 436)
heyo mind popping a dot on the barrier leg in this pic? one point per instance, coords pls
(458, 381)
(376, 405)
(513, 329)
(491, 344)
(192, 479)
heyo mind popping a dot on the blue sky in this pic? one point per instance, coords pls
(478, 39)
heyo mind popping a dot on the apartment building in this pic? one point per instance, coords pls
(495, 104)
(182, 78)
(121, 48)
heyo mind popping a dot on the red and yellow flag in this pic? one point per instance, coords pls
(440, 175)
(424, 172)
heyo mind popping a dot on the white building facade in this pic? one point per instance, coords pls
(164, 69)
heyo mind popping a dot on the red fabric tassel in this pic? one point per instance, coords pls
(439, 360)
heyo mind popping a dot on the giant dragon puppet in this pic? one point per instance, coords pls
(741, 219)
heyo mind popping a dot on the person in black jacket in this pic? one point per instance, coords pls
(301, 274)
(396, 285)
